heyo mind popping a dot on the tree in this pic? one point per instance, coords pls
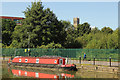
(81, 42)
(99, 41)
(106, 30)
(72, 40)
(19, 38)
(95, 30)
(52, 45)
(41, 25)
(7, 29)
(83, 29)
(113, 40)
(69, 31)
(66, 24)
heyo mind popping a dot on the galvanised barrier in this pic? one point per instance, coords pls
(99, 54)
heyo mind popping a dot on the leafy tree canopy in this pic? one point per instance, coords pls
(41, 25)
(83, 29)
(42, 29)
(95, 30)
(52, 45)
(106, 30)
(7, 29)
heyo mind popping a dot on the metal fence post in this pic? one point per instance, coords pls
(15, 53)
(73, 60)
(94, 61)
(110, 61)
(3, 57)
(70, 60)
(67, 59)
(11, 56)
(80, 59)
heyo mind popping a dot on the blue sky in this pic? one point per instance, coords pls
(99, 14)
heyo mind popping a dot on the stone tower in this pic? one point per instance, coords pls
(75, 22)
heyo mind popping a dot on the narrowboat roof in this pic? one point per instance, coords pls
(43, 57)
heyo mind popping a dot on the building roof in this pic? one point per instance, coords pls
(8, 17)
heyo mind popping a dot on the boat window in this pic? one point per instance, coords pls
(19, 60)
(26, 60)
(60, 61)
(55, 61)
(37, 60)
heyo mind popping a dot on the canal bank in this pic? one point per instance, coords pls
(98, 68)
(85, 67)
(84, 71)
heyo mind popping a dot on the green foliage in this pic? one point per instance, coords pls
(52, 45)
(66, 24)
(72, 40)
(41, 25)
(74, 44)
(83, 29)
(103, 41)
(98, 41)
(7, 29)
(107, 30)
(113, 40)
(81, 42)
(42, 29)
(95, 30)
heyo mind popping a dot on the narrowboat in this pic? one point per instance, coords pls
(45, 61)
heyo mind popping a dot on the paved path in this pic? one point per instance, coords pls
(6, 58)
(105, 63)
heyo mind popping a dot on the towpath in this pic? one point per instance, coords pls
(105, 63)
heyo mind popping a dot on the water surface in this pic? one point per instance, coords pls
(23, 72)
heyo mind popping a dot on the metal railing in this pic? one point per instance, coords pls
(99, 54)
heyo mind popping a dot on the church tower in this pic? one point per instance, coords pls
(75, 22)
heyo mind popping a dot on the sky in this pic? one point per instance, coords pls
(99, 14)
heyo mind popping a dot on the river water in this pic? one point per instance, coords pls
(23, 72)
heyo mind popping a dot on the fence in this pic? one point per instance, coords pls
(99, 54)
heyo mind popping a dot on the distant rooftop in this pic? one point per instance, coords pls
(16, 19)
(9, 17)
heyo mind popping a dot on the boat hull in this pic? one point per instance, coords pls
(68, 68)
